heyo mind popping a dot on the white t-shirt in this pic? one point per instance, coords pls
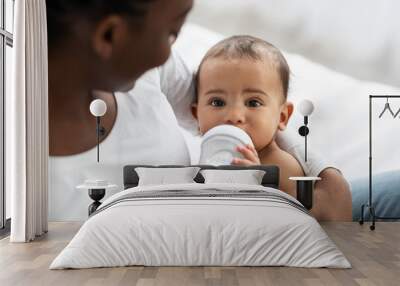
(145, 132)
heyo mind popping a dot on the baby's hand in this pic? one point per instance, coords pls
(250, 156)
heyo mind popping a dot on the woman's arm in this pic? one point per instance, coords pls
(332, 197)
(176, 83)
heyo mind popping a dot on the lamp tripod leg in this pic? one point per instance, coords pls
(98, 137)
(305, 151)
(361, 221)
(372, 214)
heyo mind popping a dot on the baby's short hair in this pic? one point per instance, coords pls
(244, 46)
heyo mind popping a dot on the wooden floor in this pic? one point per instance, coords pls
(374, 255)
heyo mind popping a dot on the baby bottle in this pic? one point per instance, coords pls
(218, 146)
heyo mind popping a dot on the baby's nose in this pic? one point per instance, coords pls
(235, 117)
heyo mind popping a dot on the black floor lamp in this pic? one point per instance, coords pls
(98, 108)
(369, 205)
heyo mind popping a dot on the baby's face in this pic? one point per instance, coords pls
(242, 92)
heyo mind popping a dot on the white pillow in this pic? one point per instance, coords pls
(248, 177)
(163, 176)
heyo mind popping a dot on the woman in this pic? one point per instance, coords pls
(107, 45)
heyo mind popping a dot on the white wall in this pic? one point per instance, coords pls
(358, 37)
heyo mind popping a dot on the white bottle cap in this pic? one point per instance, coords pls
(219, 144)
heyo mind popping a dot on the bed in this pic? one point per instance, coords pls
(201, 224)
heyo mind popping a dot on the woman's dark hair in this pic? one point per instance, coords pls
(62, 13)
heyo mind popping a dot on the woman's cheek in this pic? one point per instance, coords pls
(162, 51)
(166, 51)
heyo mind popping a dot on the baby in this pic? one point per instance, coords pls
(243, 81)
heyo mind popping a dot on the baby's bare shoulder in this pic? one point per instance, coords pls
(286, 162)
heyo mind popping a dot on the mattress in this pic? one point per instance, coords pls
(201, 225)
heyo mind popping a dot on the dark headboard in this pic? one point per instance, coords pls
(270, 179)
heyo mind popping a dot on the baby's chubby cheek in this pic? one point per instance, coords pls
(261, 141)
(203, 128)
(206, 123)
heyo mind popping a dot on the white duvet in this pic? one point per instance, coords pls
(183, 231)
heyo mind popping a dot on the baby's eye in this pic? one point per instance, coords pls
(253, 103)
(217, 102)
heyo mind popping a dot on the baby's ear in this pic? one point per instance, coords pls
(194, 110)
(286, 113)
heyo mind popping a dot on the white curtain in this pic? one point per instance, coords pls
(27, 124)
